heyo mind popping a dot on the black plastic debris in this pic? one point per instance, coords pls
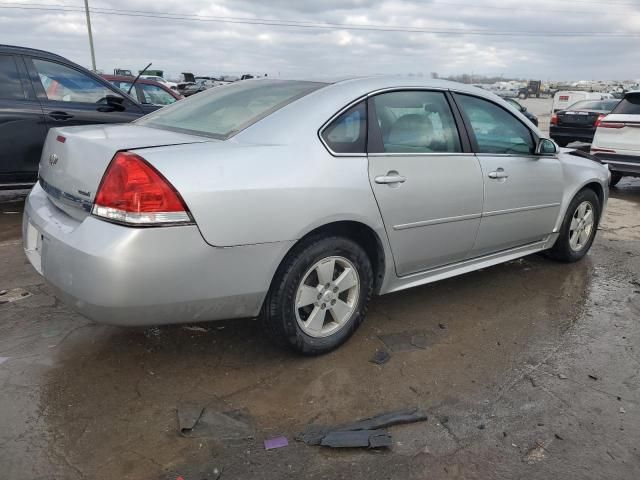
(357, 438)
(206, 422)
(367, 432)
(380, 357)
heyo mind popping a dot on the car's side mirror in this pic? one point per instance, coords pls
(546, 147)
(524, 109)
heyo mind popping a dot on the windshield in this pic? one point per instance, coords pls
(222, 112)
(605, 105)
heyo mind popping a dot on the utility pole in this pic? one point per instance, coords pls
(93, 55)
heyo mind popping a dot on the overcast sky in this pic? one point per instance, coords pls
(212, 47)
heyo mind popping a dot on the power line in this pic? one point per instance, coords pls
(321, 26)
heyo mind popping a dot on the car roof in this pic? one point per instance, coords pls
(382, 82)
(16, 50)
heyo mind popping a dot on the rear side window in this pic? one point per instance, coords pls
(416, 122)
(629, 105)
(222, 112)
(348, 132)
(495, 129)
(10, 85)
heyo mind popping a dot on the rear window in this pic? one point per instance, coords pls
(594, 105)
(630, 104)
(221, 112)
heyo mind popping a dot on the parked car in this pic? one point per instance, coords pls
(522, 109)
(565, 98)
(166, 83)
(578, 123)
(41, 90)
(617, 139)
(200, 85)
(282, 198)
(147, 92)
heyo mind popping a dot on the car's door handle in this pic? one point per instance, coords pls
(60, 115)
(391, 177)
(499, 173)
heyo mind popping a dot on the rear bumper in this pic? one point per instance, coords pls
(144, 276)
(620, 163)
(572, 134)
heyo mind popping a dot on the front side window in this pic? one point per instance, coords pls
(348, 132)
(495, 129)
(224, 111)
(10, 84)
(156, 95)
(416, 122)
(65, 84)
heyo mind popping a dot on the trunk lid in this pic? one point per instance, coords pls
(578, 118)
(74, 159)
(619, 132)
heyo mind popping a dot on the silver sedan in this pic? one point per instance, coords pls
(297, 201)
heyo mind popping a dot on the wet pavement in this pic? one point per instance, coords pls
(530, 369)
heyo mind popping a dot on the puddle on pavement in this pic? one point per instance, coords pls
(115, 390)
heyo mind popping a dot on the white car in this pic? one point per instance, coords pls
(155, 78)
(617, 139)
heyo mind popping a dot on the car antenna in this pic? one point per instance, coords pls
(140, 73)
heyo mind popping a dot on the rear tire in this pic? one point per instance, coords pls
(615, 179)
(578, 230)
(304, 314)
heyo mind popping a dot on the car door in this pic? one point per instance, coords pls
(70, 96)
(22, 124)
(522, 190)
(427, 183)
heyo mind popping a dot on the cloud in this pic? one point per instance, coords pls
(212, 47)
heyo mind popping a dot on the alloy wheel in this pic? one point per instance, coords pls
(582, 224)
(327, 296)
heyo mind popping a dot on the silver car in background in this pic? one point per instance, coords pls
(297, 201)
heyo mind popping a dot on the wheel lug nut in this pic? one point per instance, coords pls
(319, 296)
(327, 285)
(333, 302)
(335, 289)
(324, 305)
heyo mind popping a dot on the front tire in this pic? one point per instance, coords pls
(578, 228)
(319, 295)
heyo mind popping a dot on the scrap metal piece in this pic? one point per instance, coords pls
(204, 422)
(380, 357)
(407, 341)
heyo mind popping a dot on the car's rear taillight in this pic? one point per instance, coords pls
(599, 120)
(554, 119)
(133, 192)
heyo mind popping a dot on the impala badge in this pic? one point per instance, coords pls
(53, 159)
